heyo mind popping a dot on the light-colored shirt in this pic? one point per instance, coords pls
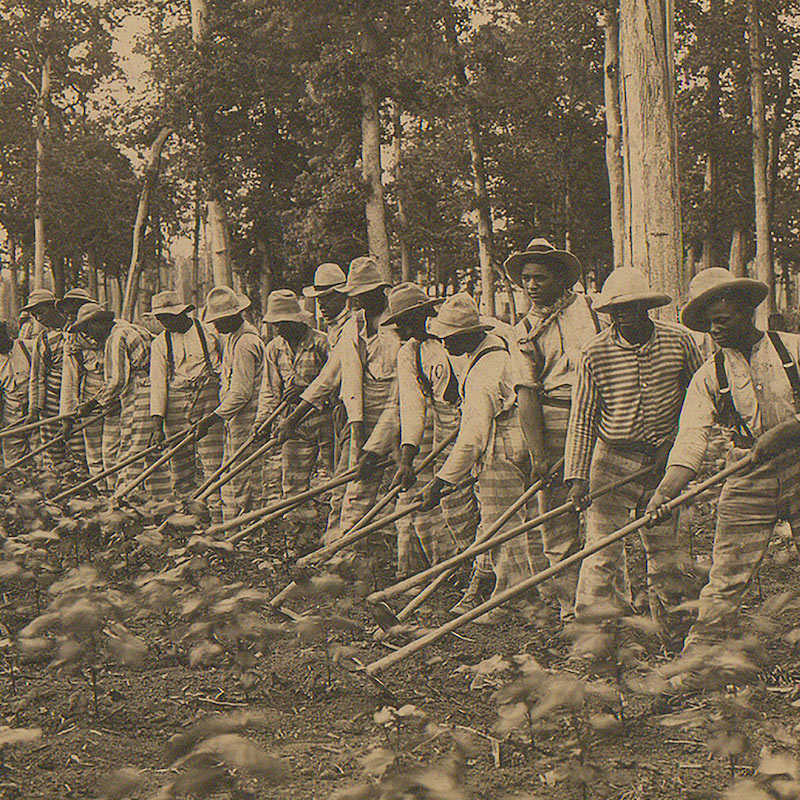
(188, 363)
(487, 392)
(628, 393)
(760, 391)
(242, 371)
(126, 357)
(557, 346)
(333, 329)
(46, 360)
(81, 356)
(15, 369)
(286, 367)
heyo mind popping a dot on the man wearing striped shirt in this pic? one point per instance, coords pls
(632, 379)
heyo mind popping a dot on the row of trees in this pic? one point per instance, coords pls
(438, 135)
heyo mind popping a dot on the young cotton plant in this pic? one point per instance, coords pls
(83, 629)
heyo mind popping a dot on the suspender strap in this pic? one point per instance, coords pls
(204, 344)
(789, 366)
(527, 324)
(422, 379)
(170, 356)
(729, 416)
(595, 318)
(493, 349)
(25, 351)
(48, 352)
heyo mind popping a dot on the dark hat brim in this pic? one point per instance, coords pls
(314, 291)
(693, 314)
(563, 259)
(105, 316)
(649, 299)
(394, 318)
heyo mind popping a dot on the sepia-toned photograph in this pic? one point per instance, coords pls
(399, 399)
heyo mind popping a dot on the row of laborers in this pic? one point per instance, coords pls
(394, 375)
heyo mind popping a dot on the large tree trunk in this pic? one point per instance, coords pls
(737, 258)
(148, 184)
(764, 268)
(218, 226)
(377, 238)
(483, 205)
(42, 101)
(614, 163)
(652, 194)
(407, 271)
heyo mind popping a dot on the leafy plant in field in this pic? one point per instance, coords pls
(542, 698)
(30, 566)
(15, 737)
(83, 629)
(777, 777)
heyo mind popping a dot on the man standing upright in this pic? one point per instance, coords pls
(750, 387)
(549, 341)
(185, 363)
(328, 291)
(632, 378)
(242, 371)
(15, 372)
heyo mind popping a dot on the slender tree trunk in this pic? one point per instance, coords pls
(652, 194)
(197, 288)
(42, 102)
(407, 270)
(266, 285)
(218, 227)
(377, 238)
(482, 203)
(778, 124)
(13, 286)
(764, 267)
(91, 274)
(691, 261)
(737, 261)
(614, 162)
(137, 261)
(710, 257)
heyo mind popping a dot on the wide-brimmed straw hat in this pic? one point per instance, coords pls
(628, 285)
(39, 297)
(222, 302)
(87, 313)
(406, 297)
(363, 276)
(74, 298)
(328, 278)
(283, 305)
(540, 251)
(458, 314)
(168, 302)
(708, 285)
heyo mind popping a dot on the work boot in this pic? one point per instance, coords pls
(478, 591)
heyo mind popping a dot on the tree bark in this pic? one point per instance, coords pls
(483, 205)
(737, 258)
(196, 283)
(407, 270)
(218, 226)
(764, 266)
(13, 286)
(614, 162)
(266, 284)
(375, 210)
(148, 184)
(652, 194)
(711, 177)
(42, 101)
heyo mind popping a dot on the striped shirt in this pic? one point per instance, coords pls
(628, 394)
(46, 359)
(81, 356)
(242, 371)
(285, 367)
(127, 355)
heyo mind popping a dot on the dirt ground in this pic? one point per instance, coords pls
(320, 714)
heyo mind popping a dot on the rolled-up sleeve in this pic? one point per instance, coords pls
(245, 371)
(386, 434)
(70, 383)
(117, 369)
(697, 420)
(327, 383)
(352, 371)
(271, 384)
(413, 404)
(37, 377)
(582, 427)
(158, 377)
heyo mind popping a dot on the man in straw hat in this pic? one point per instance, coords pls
(185, 364)
(489, 434)
(293, 359)
(750, 387)
(81, 378)
(126, 385)
(549, 340)
(47, 356)
(15, 372)
(429, 401)
(365, 359)
(242, 371)
(328, 291)
(632, 378)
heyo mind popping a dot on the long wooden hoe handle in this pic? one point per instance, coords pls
(51, 443)
(482, 546)
(132, 459)
(515, 591)
(198, 493)
(31, 426)
(146, 473)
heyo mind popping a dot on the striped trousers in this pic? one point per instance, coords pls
(15, 407)
(749, 506)
(242, 492)
(603, 589)
(93, 435)
(311, 444)
(184, 407)
(56, 454)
